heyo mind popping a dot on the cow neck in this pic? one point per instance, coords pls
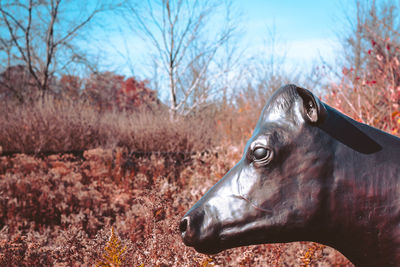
(361, 194)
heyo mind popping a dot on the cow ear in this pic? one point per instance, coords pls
(312, 109)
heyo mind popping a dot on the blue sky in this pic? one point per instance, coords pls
(296, 19)
(304, 28)
(305, 31)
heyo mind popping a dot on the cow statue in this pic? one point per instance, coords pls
(308, 173)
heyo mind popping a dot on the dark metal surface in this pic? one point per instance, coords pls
(308, 173)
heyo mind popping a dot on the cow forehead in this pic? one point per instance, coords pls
(280, 105)
(276, 113)
(281, 114)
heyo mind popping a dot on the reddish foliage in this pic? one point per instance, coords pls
(16, 82)
(102, 88)
(372, 94)
(58, 210)
(135, 95)
(71, 85)
(109, 91)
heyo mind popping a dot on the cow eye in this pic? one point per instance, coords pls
(261, 153)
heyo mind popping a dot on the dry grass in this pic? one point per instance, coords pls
(52, 125)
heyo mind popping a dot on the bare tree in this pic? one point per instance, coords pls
(39, 35)
(266, 71)
(187, 37)
(368, 87)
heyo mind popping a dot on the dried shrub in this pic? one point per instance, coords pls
(58, 210)
(48, 124)
(64, 125)
(156, 132)
(369, 85)
(113, 255)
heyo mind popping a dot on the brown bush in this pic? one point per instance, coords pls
(156, 132)
(53, 125)
(59, 210)
(48, 125)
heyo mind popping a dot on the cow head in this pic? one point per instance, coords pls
(276, 192)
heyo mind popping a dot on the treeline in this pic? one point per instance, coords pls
(105, 91)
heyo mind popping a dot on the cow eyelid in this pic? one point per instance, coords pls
(261, 155)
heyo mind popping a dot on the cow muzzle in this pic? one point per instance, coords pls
(201, 227)
(189, 228)
(199, 230)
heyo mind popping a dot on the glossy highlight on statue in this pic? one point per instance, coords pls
(308, 173)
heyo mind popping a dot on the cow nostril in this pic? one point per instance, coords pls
(183, 225)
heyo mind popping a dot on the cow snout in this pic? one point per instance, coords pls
(184, 228)
(190, 227)
(184, 225)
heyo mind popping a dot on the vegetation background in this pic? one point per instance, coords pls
(95, 169)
